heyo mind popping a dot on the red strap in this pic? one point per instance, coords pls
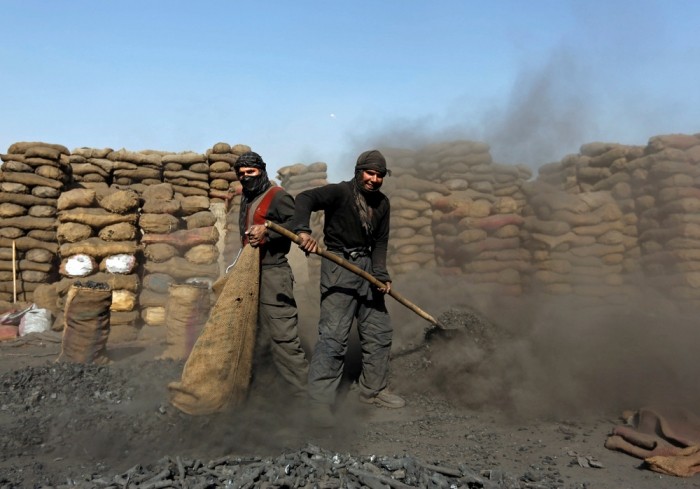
(259, 207)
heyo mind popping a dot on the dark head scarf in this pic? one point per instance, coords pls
(250, 159)
(372, 160)
(252, 186)
(369, 160)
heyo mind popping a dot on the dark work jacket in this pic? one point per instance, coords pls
(342, 227)
(281, 211)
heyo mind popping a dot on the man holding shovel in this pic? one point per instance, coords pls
(357, 229)
(277, 311)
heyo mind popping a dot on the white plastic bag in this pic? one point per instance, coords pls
(79, 265)
(35, 320)
(122, 263)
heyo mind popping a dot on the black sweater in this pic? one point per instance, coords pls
(342, 228)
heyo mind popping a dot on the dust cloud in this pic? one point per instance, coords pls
(558, 356)
(549, 113)
(555, 356)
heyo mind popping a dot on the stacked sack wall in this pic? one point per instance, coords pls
(198, 241)
(105, 170)
(223, 181)
(226, 189)
(576, 242)
(606, 167)
(656, 191)
(299, 177)
(596, 224)
(140, 171)
(32, 178)
(619, 167)
(411, 241)
(477, 227)
(669, 218)
(136, 169)
(98, 242)
(187, 172)
(225, 197)
(481, 240)
(581, 223)
(179, 244)
(467, 166)
(159, 218)
(91, 168)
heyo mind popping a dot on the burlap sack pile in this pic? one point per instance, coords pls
(222, 178)
(299, 177)
(577, 243)
(481, 239)
(136, 169)
(32, 177)
(620, 168)
(159, 216)
(179, 242)
(98, 237)
(472, 213)
(452, 162)
(606, 167)
(226, 189)
(201, 249)
(669, 218)
(187, 172)
(468, 166)
(597, 166)
(654, 189)
(479, 226)
(411, 241)
(91, 168)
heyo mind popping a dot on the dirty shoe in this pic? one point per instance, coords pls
(321, 415)
(384, 398)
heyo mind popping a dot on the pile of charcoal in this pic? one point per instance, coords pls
(61, 384)
(464, 322)
(310, 467)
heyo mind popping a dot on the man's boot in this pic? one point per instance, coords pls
(384, 398)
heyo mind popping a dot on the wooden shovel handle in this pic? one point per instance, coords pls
(14, 272)
(356, 270)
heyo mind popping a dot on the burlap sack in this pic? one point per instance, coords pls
(217, 372)
(87, 322)
(185, 315)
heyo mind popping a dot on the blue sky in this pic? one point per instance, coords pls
(306, 81)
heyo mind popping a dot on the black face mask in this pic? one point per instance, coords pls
(252, 186)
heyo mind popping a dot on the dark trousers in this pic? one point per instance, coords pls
(344, 297)
(278, 326)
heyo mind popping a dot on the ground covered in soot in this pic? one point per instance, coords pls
(487, 407)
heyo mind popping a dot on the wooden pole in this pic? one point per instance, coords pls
(358, 271)
(14, 272)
